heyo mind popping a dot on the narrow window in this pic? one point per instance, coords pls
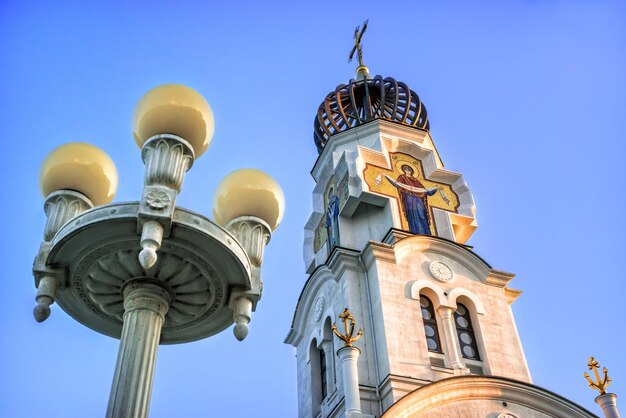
(316, 385)
(323, 374)
(430, 325)
(465, 332)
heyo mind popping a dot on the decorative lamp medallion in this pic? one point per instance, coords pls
(440, 271)
(319, 308)
(157, 199)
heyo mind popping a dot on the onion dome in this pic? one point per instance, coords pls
(366, 99)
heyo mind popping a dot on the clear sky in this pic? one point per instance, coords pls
(527, 99)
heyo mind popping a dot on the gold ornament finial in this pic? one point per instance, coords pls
(601, 383)
(347, 337)
(362, 71)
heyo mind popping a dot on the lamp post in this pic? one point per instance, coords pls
(150, 272)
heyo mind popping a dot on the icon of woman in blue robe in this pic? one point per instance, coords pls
(414, 200)
(332, 219)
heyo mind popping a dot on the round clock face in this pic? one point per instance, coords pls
(319, 308)
(440, 271)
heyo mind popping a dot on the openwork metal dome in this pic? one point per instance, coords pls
(363, 100)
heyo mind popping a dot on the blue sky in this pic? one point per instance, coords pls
(526, 99)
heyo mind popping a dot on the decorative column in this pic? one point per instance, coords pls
(607, 401)
(348, 356)
(145, 304)
(449, 330)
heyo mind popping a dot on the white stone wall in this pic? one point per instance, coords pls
(384, 299)
(327, 293)
(378, 273)
(399, 273)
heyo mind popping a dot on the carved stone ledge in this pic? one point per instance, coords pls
(499, 278)
(342, 259)
(378, 251)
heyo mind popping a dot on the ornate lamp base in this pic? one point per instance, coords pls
(198, 265)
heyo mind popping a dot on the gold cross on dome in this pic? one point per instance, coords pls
(600, 384)
(347, 338)
(357, 44)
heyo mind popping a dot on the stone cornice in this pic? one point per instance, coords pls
(394, 235)
(385, 128)
(499, 278)
(405, 380)
(342, 259)
(378, 251)
(398, 245)
(340, 139)
(511, 294)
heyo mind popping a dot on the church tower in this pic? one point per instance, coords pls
(386, 240)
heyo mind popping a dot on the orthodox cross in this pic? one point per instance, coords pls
(600, 384)
(347, 338)
(357, 44)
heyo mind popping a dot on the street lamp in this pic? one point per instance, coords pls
(150, 272)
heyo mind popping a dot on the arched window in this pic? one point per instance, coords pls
(465, 332)
(430, 325)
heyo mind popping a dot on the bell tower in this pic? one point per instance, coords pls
(387, 239)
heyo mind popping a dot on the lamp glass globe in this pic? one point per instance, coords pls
(249, 192)
(174, 109)
(81, 167)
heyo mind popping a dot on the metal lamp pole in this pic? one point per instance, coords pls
(150, 272)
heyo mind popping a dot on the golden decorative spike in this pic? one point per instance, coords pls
(347, 337)
(601, 383)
